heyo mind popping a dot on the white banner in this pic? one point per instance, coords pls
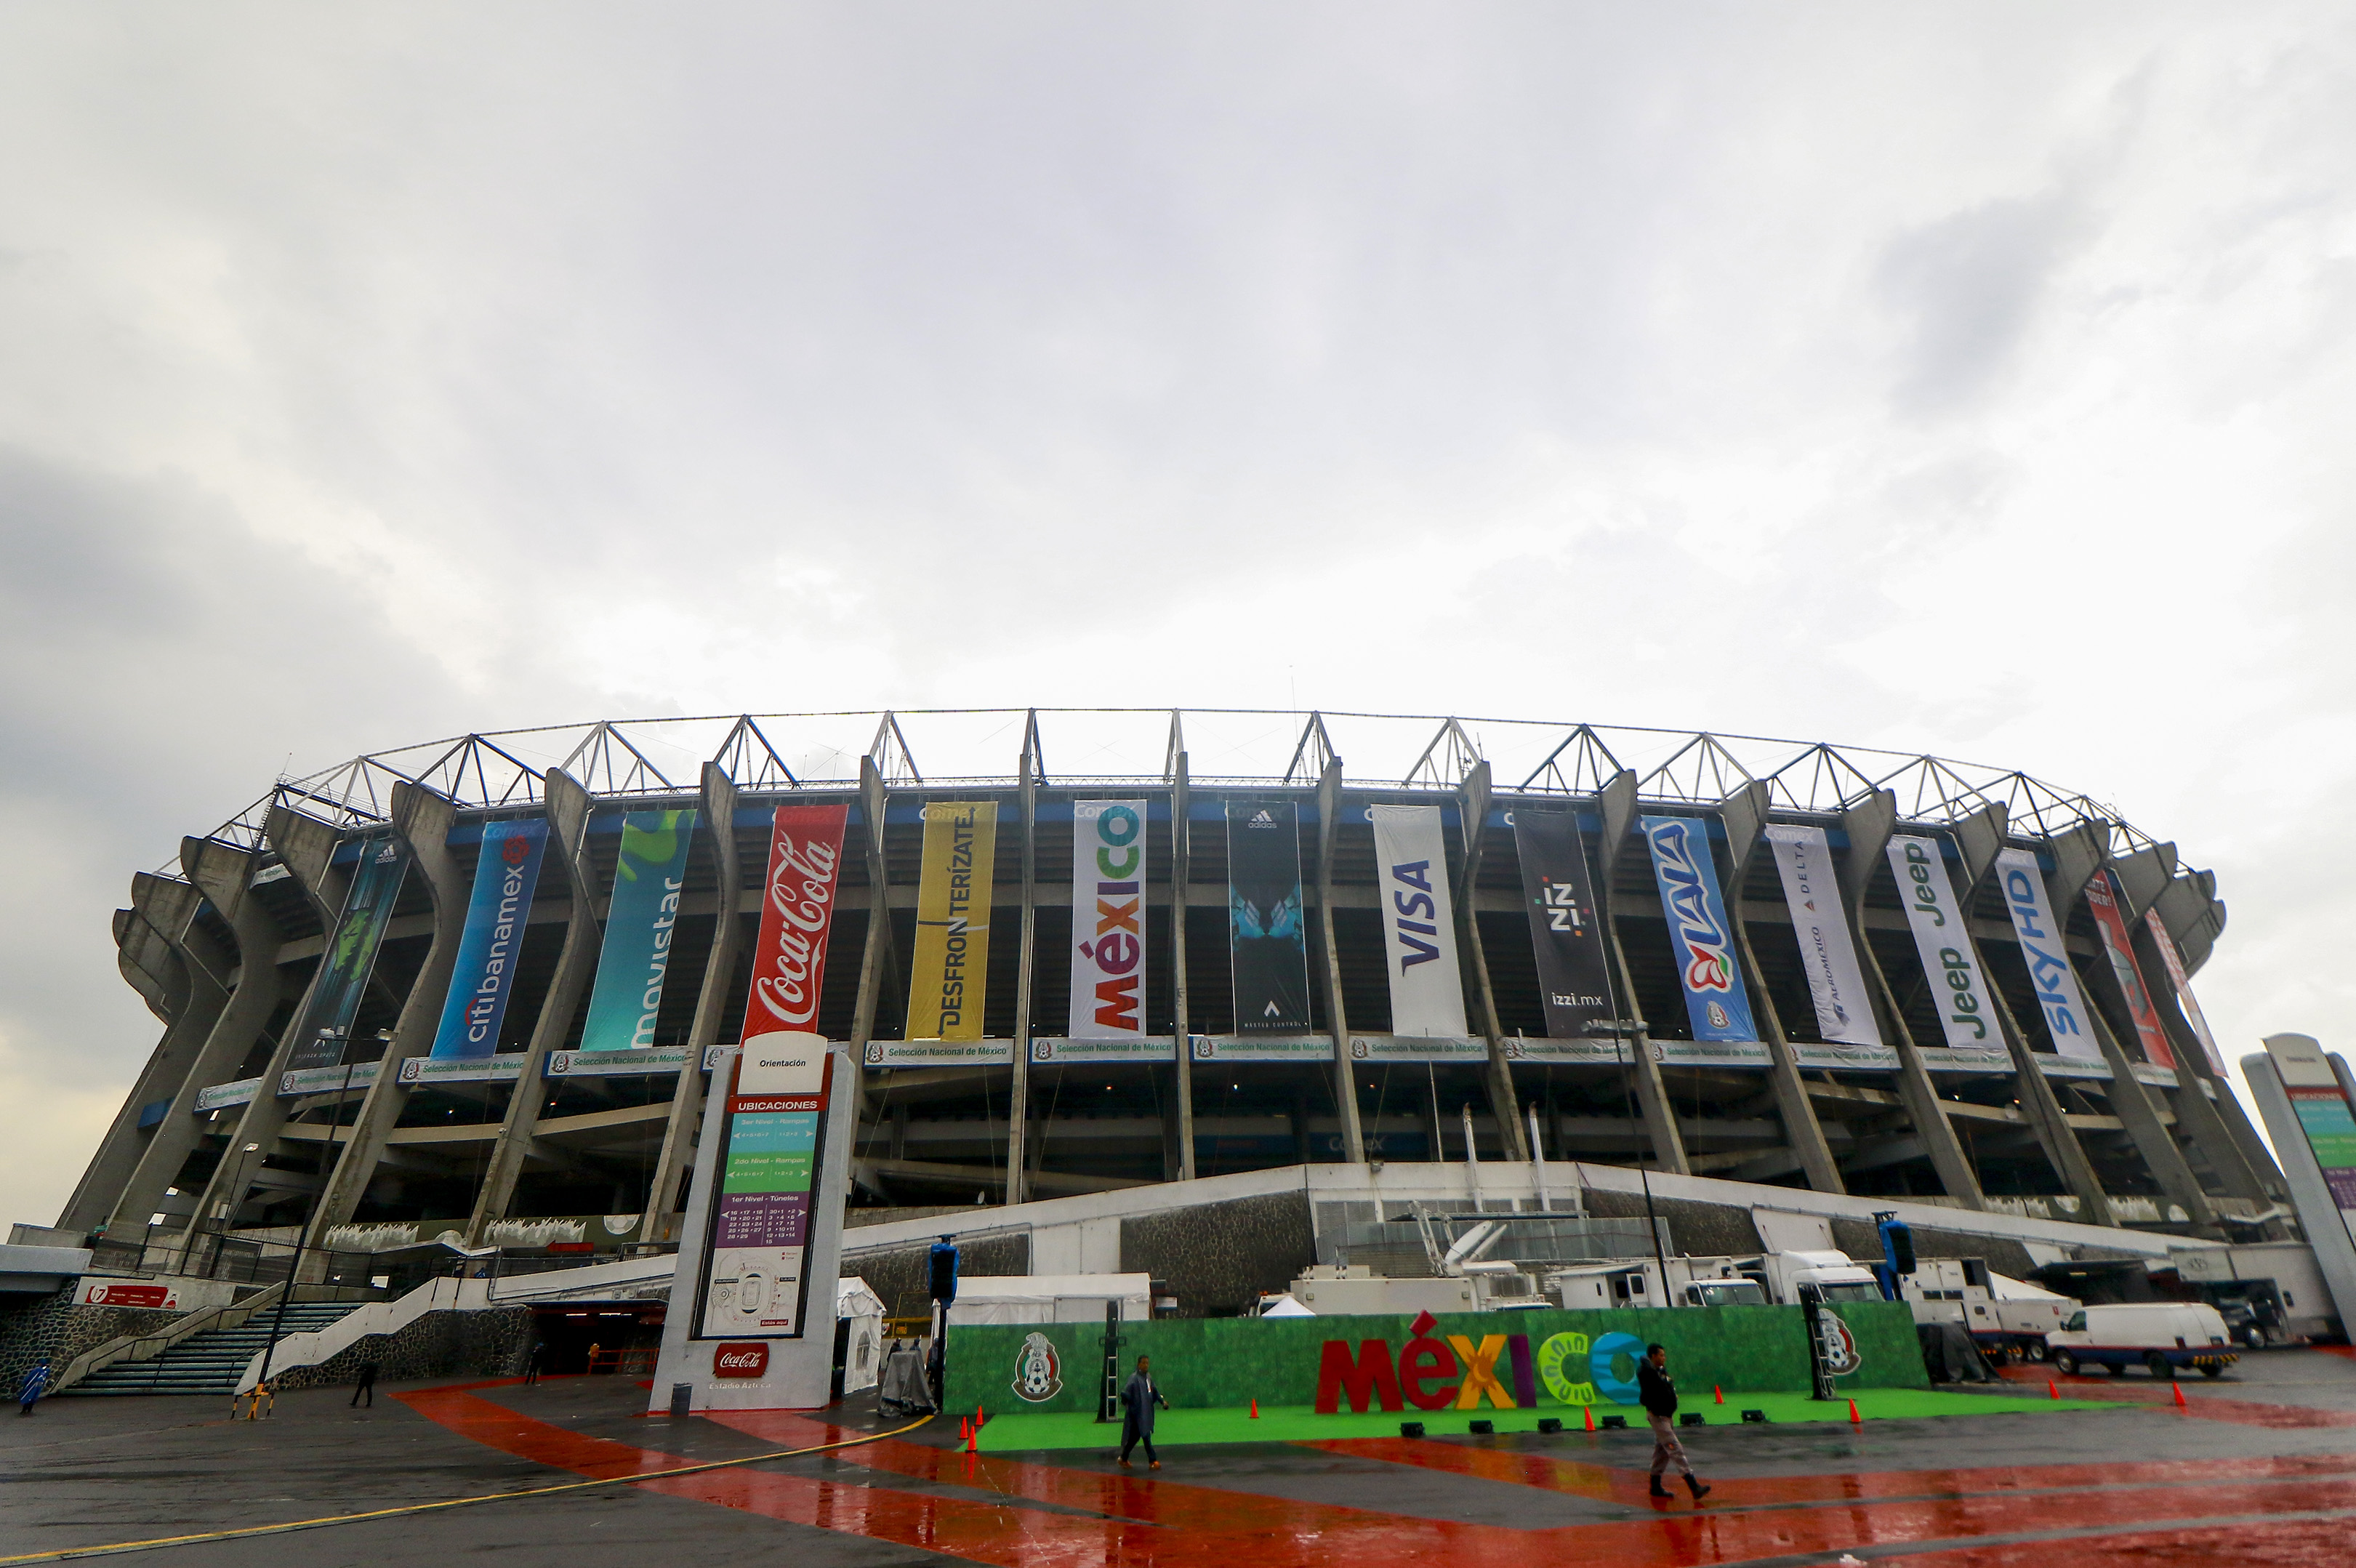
(1050, 1050)
(1589, 1052)
(1107, 920)
(221, 1095)
(1419, 921)
(1464, 1050)
(940, 1053)
(2042, 945)
(644, 1061)
(1843, 1015)
(1262, 1048)
(1966, 1008)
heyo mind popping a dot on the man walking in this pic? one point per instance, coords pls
(36, 1383)
(1657, 1393)
(533, 1362)
(366, 1385)
(1138, 1398)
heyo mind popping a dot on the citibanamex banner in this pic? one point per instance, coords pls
(948, 974)
(1419, 921)
(505, 873)
(649, 876)
(1835, 984)
(1266, 941)
(334, 1000)
(2041, 946)
(2103, 900)
(2180, 983)
(1960, 991)
(1566, 930)
(1109, 875)
(1715, 1000)
(797, 919)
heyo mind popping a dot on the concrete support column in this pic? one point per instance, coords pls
(1618, 800)
(1472, 818)
(876, 957)
(2219, 1126)
(1018, 1112)
(666, 1192)
(1345, 1088)
(1180, 848)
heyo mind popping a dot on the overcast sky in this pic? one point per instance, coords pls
(1972, 379)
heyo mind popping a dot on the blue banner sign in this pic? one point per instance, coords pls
(640, 923)
(505, 875)
(1703, 938)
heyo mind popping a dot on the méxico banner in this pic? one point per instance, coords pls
(797, 917)
(334, 999)
(1715, 998)
(500, 908)
(1265, 941)
(636, 957)
(1945, 948)
(2048, 958)
(1107, 921)
(2181, 983)
(1419, 921)
(1835, 983)
(2102, 897)
(950, 971)
(754, 1285)
(1574, 970)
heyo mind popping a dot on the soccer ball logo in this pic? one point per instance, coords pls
(1038, 1376)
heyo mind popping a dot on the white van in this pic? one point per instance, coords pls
(2163, 1336)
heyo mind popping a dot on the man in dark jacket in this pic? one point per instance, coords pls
(1138, 1398)
(1657, 1393)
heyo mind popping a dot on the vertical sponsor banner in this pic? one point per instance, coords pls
(1107, 920)
(1715, 998)
(1966, 1015)
(2049, 959)
(635, 958)
(797, 919)
(326, 1023)
(1566, 931)
(2103, 899)
(754, 1285)
(492, 939)
(1419, 921)
(2181, 983)
(2324, 1116)
(1835, 983)
(1266, 944)
(950, 969)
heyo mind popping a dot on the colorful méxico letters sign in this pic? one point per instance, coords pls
(754, 1285)
(1966, 1012)
(2048, 959)
(1835, 984)
(1566, 932)
(1715, 999)
(1419, 921)
(2103, 899)
(489, 945)
(1108, 922)
(334, 999)
(1266, 942)
(797, 919)
(2181, 983)
(949, 974)
(649, 873)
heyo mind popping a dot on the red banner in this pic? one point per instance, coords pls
(797, 916)
(2102, 899)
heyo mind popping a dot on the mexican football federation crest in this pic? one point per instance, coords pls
(1038, 1376)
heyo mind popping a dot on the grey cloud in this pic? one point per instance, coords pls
(1967, 289)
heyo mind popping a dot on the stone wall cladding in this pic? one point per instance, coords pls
(488, 1344)
(1862, 1241)
(899, 1275)
(54, 1327)
(1219, 1258)
(1704, 1230)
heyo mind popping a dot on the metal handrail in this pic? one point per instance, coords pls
(132, 1347)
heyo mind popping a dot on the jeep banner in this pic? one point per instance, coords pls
(948, 976)
(1716, 1001)
(505, 872)
(1109, 875)
(1266, 941)
(754, 1285)
(2048, 958)
(1566, 933)
(1418, 922)
(649, 873)
(1966, 1014)
(335, 995)
(2181, 983)
(797, 919)
(1835, 983)
(2102, 897)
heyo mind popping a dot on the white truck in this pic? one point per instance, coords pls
(2004, 1316)
(1769, 1279)
(2269, 1294)
(2163, 1337)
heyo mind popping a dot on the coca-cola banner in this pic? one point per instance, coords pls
(2048, 959)
(1716, 1004)
(754, 1282)
(949, 973)
(1108, 923)
(797, 917)
(1419, 921)
(1574, 969)
(2103, 900)
(1967, 1016)
(2181, 983)
(1835, 983)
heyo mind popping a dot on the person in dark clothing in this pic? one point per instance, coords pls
(36, 1384)
(533, 1362)
(1138, 1398)
(1657, 1393)
(366, 1385)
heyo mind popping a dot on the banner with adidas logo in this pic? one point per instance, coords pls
(1265, 940)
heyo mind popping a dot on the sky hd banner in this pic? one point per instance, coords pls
(1715, 998)
(1108, 922)
(634, 959)
(1566, 932)
(2049, 960)
(1419, 921)
(951, 971)
(492, 939)
(1835, 983)
(1265, 939)
(1965, 1012)
(335, 1000)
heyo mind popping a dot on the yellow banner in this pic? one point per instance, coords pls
(949, 974)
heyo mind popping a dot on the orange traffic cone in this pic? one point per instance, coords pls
(1855, 1419)
(980, 1420)
(2053, 1389)
(973, 1440)
(1255, 1415)
(1590, 1416)
(965, 1428)
(2180, 1396)
(1719, 1392)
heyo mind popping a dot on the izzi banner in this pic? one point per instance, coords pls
(1108, 922)
(335, 1000)
(797, 919)
(1715, 999)
(1966, 1012)
(2181, 983)
(1835, 983)
(754, 1285)
(1574, 967)
(2048, 959)
(1419, 921)
(1265, 940)
(489, 945)
(634, 959)
(2102, 897)
(951, 971)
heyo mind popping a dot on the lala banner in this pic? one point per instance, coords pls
(1108, 923)
(2103, 899)
(1266, 943)
(1715, 999)
(496, 913)
(2181, 983)
(2048, 959)
(334, 998)
(949, 973)
(754, 1285)
(1566, 934)
(634, 959)
(1944, 947)
(1418, 922)
(797, 919)
(1835, 984)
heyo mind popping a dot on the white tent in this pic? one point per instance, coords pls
(1283, 1307)
(863, 1351)
(1049, 1298)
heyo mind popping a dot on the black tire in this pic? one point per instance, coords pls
(2159, 1365)
(2065, 1363)
(2213, 1371)
(2037, 1349)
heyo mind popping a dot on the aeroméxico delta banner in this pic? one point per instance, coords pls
(1715, 998)
(2103, 899)
(949, 973)
(335, 1000)
(1966, 1012)
(1107, 921)
(1266, 943)
(2049, 959)
(640, 919)
(1566, 932)
(2181, 983)
(489, 945)
(1419, 921)
(797, 919)
(1835, 983)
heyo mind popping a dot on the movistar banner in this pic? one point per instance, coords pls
(639, 921)
(1108, 923)
(2103, 900)
(2048, 959)
(1966, 1014)
(2181, 983)
(949, 974)
(1418, 922)
(326, 1026)
(1566, 932)
(1715, 998)
(1265, 940)
(505, 875)
(1835, 983)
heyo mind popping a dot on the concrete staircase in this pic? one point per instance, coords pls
(211, 1361)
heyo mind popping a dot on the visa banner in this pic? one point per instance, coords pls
(1704, 938)
(2103, 899)
(649, 873)
(497, 912)
(2181, 983)
(1108, 923)
(2048, 959)
(1566, 931)
(1960, 991)
(335, 997)
(1418, 922)
(797, 919)
(1266, 942)
(1835, 983)
(949, 973)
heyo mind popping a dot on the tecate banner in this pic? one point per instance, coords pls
(500, 908)
(2049, 960)
(334, 998)
(1107, 921)
(2103, 899)
(1265, 938)
(634, 959)
(754, 1282)
(1835, 983)
(1566, 932)
(2181, 983)
(949, 974)
(797, 919)
(1960, 991)
(1419, 921)
(1715, 998)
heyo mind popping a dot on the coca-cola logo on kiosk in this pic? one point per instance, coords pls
(748, 1359)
